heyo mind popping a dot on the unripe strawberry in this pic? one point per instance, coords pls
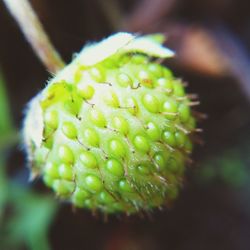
(111, 130)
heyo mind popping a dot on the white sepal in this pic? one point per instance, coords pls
(122, 43)
(97, 52)
(149, 47)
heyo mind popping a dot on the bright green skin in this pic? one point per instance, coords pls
(116, 138)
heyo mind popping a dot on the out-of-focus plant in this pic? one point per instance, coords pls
(231, 168)
(25, 216)
(7, 132)
(5, 126)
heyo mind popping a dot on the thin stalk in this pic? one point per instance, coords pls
(35, 34)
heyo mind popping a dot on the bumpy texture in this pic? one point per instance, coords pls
(112, 130)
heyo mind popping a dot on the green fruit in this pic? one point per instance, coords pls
(107, 131)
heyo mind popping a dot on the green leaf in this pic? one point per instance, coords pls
(25, 216)
(229, 167)
(31, 218)
(8, 135)
(5, 118)
(3, 188)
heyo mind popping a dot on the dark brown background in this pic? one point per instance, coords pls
(205, 217)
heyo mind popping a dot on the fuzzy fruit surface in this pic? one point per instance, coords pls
(115, 135)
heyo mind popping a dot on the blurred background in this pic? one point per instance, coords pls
(212, 43)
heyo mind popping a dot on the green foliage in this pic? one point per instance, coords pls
(8, 135)
(6, 129)
(3, 189)
(28, 220)
(5, 118)
(25, 216)
(231, 167)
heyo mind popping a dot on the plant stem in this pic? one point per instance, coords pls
(35, 33)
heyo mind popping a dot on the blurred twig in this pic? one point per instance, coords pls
(35, 34)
